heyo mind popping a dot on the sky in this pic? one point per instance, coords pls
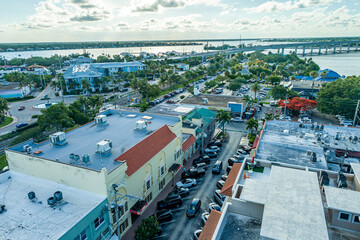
(123, 20)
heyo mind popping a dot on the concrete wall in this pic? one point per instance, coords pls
(335, 221)
(247, 208)
(70, 175)
(87, 223)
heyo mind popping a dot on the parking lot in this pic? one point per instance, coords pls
(182, 227)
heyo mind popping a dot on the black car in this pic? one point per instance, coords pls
(217, 167)
(169, 203)
(124, 90)
(228, 169)
(193, 208)
(220, 184)
(217, 143)
(193, 173)
(163, 216)
(224, 177)
(203, 159)
(212, 154)
(231, 161)
(182, 192)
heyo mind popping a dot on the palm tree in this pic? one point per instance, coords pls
(3, 108)
(255, 88)
(85, 85)
(251, 125)
(223, 117)
(313, 74)
(262, 75)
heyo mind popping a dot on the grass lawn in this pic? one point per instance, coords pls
(257, 169)
(7, 121)
(3, 162)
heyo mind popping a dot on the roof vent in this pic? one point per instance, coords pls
(141, 125)
(2, 208)
(101, 120)
(104, 147)
(58, 196)
(51, 201)
(32, 196)
(58, 138)
(85, 158)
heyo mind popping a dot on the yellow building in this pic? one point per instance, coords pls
(139, 153)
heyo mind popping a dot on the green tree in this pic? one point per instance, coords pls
(251, 125)
(223, 117)
(144, 106)
(147, 229)
(313, 74)
(3, 108)
(255, 88)
(85, 85)
(55, 117)
(273, 79)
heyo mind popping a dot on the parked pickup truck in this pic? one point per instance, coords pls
(193, 173)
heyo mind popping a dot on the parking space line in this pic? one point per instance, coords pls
(174, 210)
(161, 236)
(168, 222)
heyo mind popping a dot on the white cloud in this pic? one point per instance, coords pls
(159, 5)
(275, 6)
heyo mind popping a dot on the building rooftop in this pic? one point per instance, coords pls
(82, 71)
(117, 64)
(342, 199)
(201, 113)
(291, 198)
(230, 181)
(188, 142)
(216, 101)
(287, 142)
(24, 219)
(120, 129)
(171, 109)
(356, 168)
(211, 223)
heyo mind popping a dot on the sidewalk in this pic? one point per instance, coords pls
(150, 210)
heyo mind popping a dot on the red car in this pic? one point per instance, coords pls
(21, 108)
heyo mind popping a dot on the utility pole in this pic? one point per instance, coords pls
(356, 113)
(286, 101)
(117, 212)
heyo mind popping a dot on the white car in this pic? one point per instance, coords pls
(214, 206)
(241, 152)
(212, 149)
(197, 234)
(204, 217)
(186, 183)
(236, 119)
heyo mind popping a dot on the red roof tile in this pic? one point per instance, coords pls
(187, 144)
(229, 183)
(142, 152)
(210, 225)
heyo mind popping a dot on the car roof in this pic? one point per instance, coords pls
(218, 162)
(195, 201)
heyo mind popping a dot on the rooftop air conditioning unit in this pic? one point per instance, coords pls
(85, 158)
(104, 147)
(101, 119)
(141, 125)
(58, 138)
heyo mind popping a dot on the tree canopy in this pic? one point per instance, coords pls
(298, 104)
(147, 229)
(339, 97)
(280, 92)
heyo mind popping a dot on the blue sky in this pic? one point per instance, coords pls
(93, 20)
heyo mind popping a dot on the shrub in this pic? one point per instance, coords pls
(56, 94)
(182, 96)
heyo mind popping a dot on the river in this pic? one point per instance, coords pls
(344, 64)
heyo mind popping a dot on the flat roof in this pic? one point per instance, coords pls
(24, 219)
(214, 100)
(293, 207)
(83, 140)
(285, 141)
(356, 168)
(171, 109)
(342, 199)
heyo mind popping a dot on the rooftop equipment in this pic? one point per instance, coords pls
(101, 120)
(58, 138)
(32, 196)
(141, 125)
(58, 196)
(104, 147)
(51, 201)
(85, 158)
(2, 208)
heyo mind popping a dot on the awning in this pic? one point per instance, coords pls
(138, 207)
(175, 167)
(256, 143)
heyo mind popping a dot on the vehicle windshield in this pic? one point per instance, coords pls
(192, 208)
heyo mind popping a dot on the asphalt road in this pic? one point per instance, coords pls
(182, 227)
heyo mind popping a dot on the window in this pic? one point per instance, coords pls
(81, 236)
(121, 211)
(148, 183)
(162, 169)
(149, 197)
(124, 225)
(99, 220)
(177, 154)
(345, 216)
(356, 219)
(103, 234)
(161, 184)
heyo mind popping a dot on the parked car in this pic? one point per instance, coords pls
(20, 125)
(163, 216)
(193, 173)
(203, 159)
(169, 203)
(170, 102)
(212, 154)
(21, 108)
(217, 167)
(204, 217)
(272, 103)
(220, 184)
(236, 119)
(228, 169)
(214, 206)
(200, 166)
(197, 234)
(182, 192)
(239, 157)
(124, 89)
(241, 152)
(212, 149)
(216, 143)
(224, 177)
(167, 96)
(219, 198)
(193, 208)
(186, 183)
(231, 161)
